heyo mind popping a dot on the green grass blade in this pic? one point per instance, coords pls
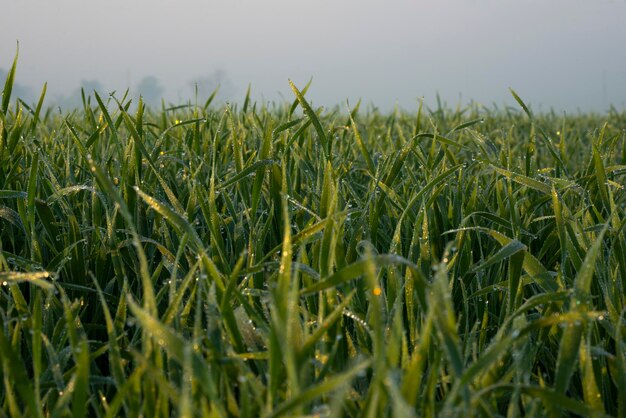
(33, 125)
(310, 113)
(571, 339)
(36, 278)
(12, 217)
(174, 345)
(521, 103)
(508, 250)
(364, 152)
(14, 368)
(358, 269)
(81, 383)
(328, 386)
(8, 85)
(524, 180)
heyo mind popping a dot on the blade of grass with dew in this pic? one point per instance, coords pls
(109, 189)
(14, 368)
(115, 359)
(600, 176)
(508, 250)
(174, 345)
(524, 180)
(358, 269)
(571, 339)
(310, 113)
(285, 301)
(445, 321)
(362, 148)
(266, 149)
(521, 103)
(36, 278)
(12, 217)
(30, 207)
(8, 85)
(323, 328)
(320, 389)
(42, 96)
(294, 105)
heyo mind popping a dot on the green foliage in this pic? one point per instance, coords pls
(286, 260)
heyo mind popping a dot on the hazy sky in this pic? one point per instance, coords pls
(564, 54)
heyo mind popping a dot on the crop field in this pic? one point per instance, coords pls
(288, 260)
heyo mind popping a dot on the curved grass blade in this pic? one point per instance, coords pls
(464, 125)
(359, 269)
(521, 103)
(571, 339)
(14, 367)
(285, 126)
(12, 217)
(115, 359)
(36, 278)
(332, 384)
(252, 168)
(81, 382)
(508, 250)
(364, 152)
(35, 121)
(445, 320)
(441, 139)
(174, 345)
(310, 113)
(524, 180)
(323, 328)
(8, 85)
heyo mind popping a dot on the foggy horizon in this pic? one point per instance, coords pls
(563, 55)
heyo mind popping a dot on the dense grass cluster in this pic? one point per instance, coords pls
(284, 260)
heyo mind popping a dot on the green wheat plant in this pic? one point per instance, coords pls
(280, 259)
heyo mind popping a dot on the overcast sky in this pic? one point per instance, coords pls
(561, 54)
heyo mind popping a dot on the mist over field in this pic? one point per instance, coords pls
(565, 55)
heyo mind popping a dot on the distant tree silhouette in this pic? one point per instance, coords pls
(206, 85)
(150, 89)
(74, 99)
(90, 86)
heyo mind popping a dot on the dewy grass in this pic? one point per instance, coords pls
(281, 260)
